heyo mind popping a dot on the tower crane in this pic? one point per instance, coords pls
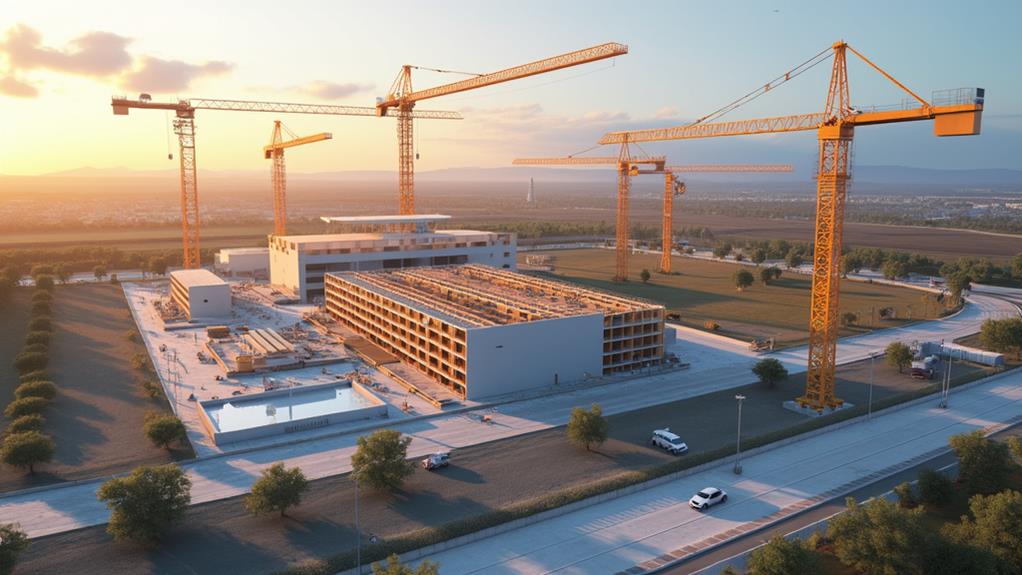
(184, 127)
(954, 113)
(402, 98)
(278, 173)
(629, 166)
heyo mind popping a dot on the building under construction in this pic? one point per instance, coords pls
(485, 331)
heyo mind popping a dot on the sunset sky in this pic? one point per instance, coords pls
(61, 61)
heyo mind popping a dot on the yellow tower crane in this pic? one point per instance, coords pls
(955, 112)
(629, 166)
(184, 127)
(278, 171)
(403, 99)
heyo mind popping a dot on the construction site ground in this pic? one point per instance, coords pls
(96, 419)
(481, 478)
(183, 375)
(702, 291)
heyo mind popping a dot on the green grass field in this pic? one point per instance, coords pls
(703, 291)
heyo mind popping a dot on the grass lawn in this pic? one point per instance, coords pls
(703, 291)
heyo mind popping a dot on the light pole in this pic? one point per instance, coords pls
(869, 402)
(738, 450)
(358, 535)
(945, 384)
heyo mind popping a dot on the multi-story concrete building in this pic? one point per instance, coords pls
(200, 294)
(486, 331)
(248, 262)
(367, 243)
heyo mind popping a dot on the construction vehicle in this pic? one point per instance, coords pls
(278, 172)
(402, 98)
(184, 127)
(436, 460)
(761, 344)
(629, 166)
(953, 112)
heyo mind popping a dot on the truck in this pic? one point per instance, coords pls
(436, 461)
(924, 368)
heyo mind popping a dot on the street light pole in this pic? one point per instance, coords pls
(738, 450)
(358, 535)
(945, 384)
(869, 402)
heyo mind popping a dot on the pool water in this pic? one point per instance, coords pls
(249, 412)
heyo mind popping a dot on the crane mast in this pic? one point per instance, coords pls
(278, 172)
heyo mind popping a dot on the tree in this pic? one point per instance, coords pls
(36, 375)
(759, 255)
(1003, 335)
(770, 371)
(393, 566)
(994, 524)
(1015, 446)
(63, 273)
(644, 276)
(37, 337)
(898, 355)
(587, 428)
(163, 429)
(41, 295)
(850, 264)
(781, 556)
(24, 423)
(793, 259)
(158, 265)
(25, 406)
(277, 490)
(739, 257)
(26, 450)
(38, 388)
(722, 249)
(11, 275)
(984, 464)
(906, 495)
(935, 488)
(894, 269)
(44, 282)
(40, 270)
(41, 307)
(743, 279)
(381, 460)
(958, 283)
(849, 318)
(1016, 266)
(13, 541)
(27, 361)
(145, 504)
(99, 271)
(40, 323)
(766, 275)
(879, 537)
(946, 557)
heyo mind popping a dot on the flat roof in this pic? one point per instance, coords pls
(245, 250)
(474, 295)
(383, 220)
(354, 237)
(197, 277)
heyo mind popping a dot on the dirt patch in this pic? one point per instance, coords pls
(96, 420)
(222, 537)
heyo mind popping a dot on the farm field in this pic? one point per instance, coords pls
(703, 291)
(96, 420)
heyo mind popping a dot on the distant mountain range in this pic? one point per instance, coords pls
(871, 174)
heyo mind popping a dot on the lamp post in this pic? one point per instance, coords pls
(945, 383)
(869, 402)
(738, 450)
(358, 535)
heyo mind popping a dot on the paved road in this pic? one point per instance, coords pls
(67, 507)
(636, 529)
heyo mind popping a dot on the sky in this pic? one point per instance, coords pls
(60, 61)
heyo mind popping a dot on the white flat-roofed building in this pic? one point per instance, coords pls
(249, 262)
(200, 293)
(368, 243)
(486, 331)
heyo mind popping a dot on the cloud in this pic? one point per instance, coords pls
(11, 86)
(157, 75)
(666, 112)
(333, 91)
(92, 54)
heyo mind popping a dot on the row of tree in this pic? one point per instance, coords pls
(62, 263)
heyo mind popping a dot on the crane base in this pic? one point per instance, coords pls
(792, 405)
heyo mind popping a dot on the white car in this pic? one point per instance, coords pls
(668, 440)
(707, 498)
(436, 461)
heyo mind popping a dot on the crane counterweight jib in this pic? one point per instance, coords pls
(121, 107)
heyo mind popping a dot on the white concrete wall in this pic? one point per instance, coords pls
(284, 269)
(242, 263)
(209, 301)
(507, 358)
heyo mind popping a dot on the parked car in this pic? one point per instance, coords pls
(668, 440)
(436, 461)
(707, 498)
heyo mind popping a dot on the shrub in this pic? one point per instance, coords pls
(26, 450)
(587, 428)
(984, 464)
(1014, 445)
(131, 335)
(163, 429)
(12, 542)
(25, 423)
(381, 461)
(145, 504)
(35, 337)
(879, 537)
(151, 388)
(38, 388)
(644, 276)
(849, 318)
(44, 282)
(34, 376)
(40, 295)
(277, 490)
(394, 566)
(898, 355)
(770, 371)
(40, 323)
(140, 361)
(784, 557)
(935, 488)
(994, 524)
(36, 348)
(41, 308)
(31, 361)
(906, 495)
(26, 406)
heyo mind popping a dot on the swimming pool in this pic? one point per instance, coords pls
(288, 410)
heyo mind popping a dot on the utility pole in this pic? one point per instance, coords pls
(869, 404)
(738, 450)
(358, 535)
